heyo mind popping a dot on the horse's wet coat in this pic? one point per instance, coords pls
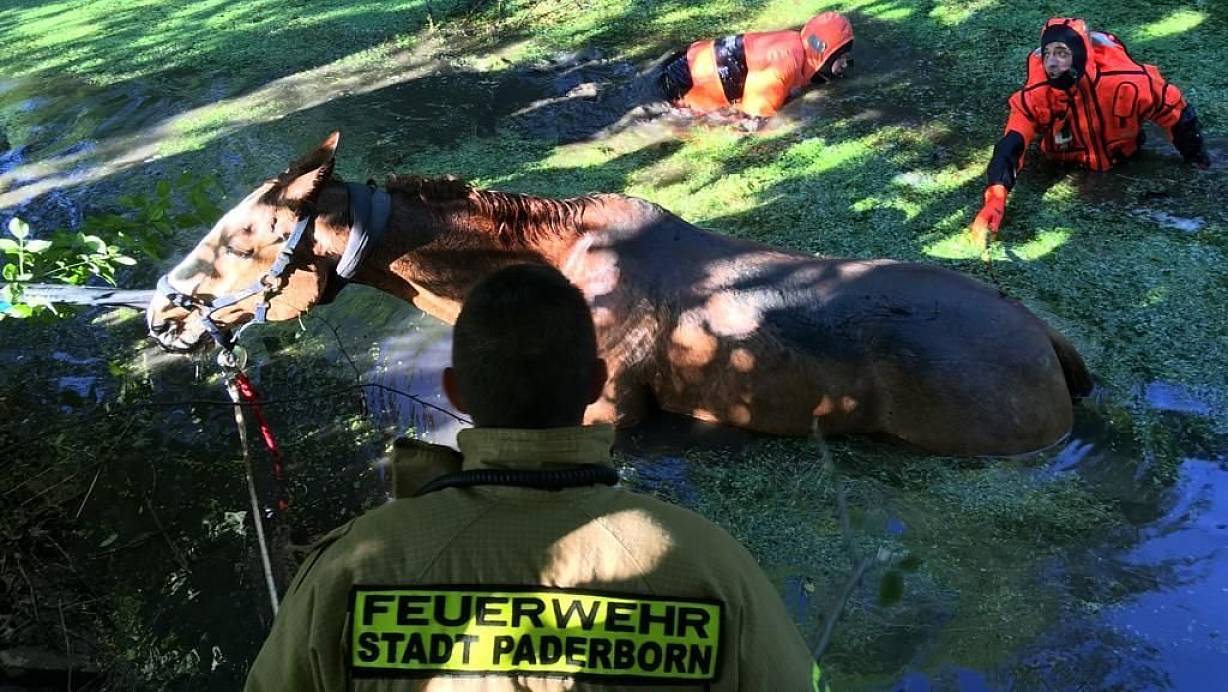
(698, 323)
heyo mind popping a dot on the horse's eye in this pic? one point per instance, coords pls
(235, 252)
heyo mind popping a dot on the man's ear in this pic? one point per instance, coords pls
(596, 384)
(452, 390)
(301, 182)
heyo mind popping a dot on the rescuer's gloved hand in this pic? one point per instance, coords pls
(1187, 137)
(990, 217)
(416, 463)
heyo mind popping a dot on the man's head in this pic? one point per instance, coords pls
(524, 351)
(1063, 52)
(828, 41)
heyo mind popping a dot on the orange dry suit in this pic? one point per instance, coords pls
(756, 71)
(1092, 115)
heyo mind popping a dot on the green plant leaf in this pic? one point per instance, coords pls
(37, 246)
(124, 260)
(163, 188)
(20, 229)
(9, 246)
(9, 272)
(95, 243)
(20, 311)
(40, 303)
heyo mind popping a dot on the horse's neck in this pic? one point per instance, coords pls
(433, 254)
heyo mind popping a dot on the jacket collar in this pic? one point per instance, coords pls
(503, 448)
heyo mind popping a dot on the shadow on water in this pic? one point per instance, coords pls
(1151, 186)
(89, 127)
(127, 507)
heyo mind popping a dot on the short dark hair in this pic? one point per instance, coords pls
(524, 349)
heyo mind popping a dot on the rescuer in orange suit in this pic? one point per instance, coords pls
(757, 72)
(1086, 98)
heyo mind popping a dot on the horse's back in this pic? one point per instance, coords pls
(768, 339)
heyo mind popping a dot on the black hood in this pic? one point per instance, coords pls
(1078, 49)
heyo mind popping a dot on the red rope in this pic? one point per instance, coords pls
(248, 392)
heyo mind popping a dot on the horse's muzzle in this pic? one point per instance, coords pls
(173, 335)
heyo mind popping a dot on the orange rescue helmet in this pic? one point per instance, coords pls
(825, 37)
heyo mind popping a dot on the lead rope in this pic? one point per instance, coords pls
(247, 391)
(235, 381)
(987, 261)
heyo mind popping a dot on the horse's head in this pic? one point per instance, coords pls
(221, 282)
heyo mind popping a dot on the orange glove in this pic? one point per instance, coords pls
(990, 217)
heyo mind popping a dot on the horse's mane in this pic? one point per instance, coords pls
(517, 218)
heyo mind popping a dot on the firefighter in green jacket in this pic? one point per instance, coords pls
(524, 566)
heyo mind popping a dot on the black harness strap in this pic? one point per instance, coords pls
(589, 474)
(731, 65)
(675, 78)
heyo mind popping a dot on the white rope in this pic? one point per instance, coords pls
(257, 519)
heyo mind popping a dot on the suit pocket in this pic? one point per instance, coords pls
(1125, 107)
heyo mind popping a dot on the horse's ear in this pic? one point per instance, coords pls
(301, 182)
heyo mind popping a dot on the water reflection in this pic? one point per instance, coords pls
(1168, 396)
(1149, 613)
(1183, 620)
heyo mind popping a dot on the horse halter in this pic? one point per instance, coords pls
(268, 286)
(369, 212)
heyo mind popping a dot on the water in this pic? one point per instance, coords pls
(1183, 623)
(405, 352)
(1143, 610)
(1179, 223)
(1166, 396)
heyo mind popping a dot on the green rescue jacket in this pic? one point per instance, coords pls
(497, 588)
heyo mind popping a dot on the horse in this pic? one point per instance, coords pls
(691, 321)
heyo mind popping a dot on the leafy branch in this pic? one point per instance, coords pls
(69, 258)
(105, 243)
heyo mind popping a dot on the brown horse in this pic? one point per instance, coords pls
(702, 324)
